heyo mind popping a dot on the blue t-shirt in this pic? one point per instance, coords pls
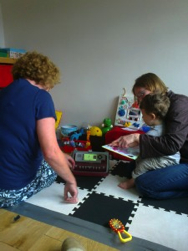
(21, 105)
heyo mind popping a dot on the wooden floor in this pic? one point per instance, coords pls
(27, 234)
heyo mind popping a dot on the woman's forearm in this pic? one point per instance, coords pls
(58, 161)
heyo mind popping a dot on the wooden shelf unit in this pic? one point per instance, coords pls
(7, 60)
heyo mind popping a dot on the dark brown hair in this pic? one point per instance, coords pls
(156, 103)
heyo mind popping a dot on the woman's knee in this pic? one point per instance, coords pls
(142, 190)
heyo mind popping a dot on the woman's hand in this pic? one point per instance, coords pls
(70, 161)
(70, 190)
(126, 141)
(71, 193)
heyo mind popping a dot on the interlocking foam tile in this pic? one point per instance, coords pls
(52, 198)
(158, 226)
(100, 199)
(88, 182)
(109, 186)
(176, 205)
(99, 209)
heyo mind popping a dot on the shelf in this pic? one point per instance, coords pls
(7, 60)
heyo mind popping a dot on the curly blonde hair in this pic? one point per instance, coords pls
(37, 67)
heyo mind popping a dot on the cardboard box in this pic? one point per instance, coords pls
(11, 52)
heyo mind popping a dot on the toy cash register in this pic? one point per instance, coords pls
(91, 163)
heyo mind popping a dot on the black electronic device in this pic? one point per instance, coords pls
(91, 163)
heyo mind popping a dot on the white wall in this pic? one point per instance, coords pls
(2, 44)
(101, 46)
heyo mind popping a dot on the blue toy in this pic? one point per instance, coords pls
(67, 129)
(145, 128)
(77, 134)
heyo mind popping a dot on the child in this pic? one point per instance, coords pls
(154, 108)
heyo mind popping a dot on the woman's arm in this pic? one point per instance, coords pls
(126, 141)
(55, 157)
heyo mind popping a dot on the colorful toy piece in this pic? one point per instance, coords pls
(145, 128)
(127, 124)
(118, 227)
(135, 104)
(58, 116)
(95, 131)
(75, 135)
(67, 129)
(107, 125)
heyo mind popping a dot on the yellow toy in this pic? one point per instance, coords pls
(58, 116)
(118, 227)
(127, 124)
(87, 144)
(95, 131)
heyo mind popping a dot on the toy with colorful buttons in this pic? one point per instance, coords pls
(128, 113)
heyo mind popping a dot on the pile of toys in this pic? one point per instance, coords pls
(73, 137)
(128, 115)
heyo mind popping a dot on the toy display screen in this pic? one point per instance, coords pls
(90, 157)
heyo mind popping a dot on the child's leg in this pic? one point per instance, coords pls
(127, 184)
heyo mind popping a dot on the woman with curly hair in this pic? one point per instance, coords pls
(30, 157)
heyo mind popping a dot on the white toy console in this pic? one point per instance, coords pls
(128, 113)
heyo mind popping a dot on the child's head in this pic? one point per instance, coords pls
(154, 108)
